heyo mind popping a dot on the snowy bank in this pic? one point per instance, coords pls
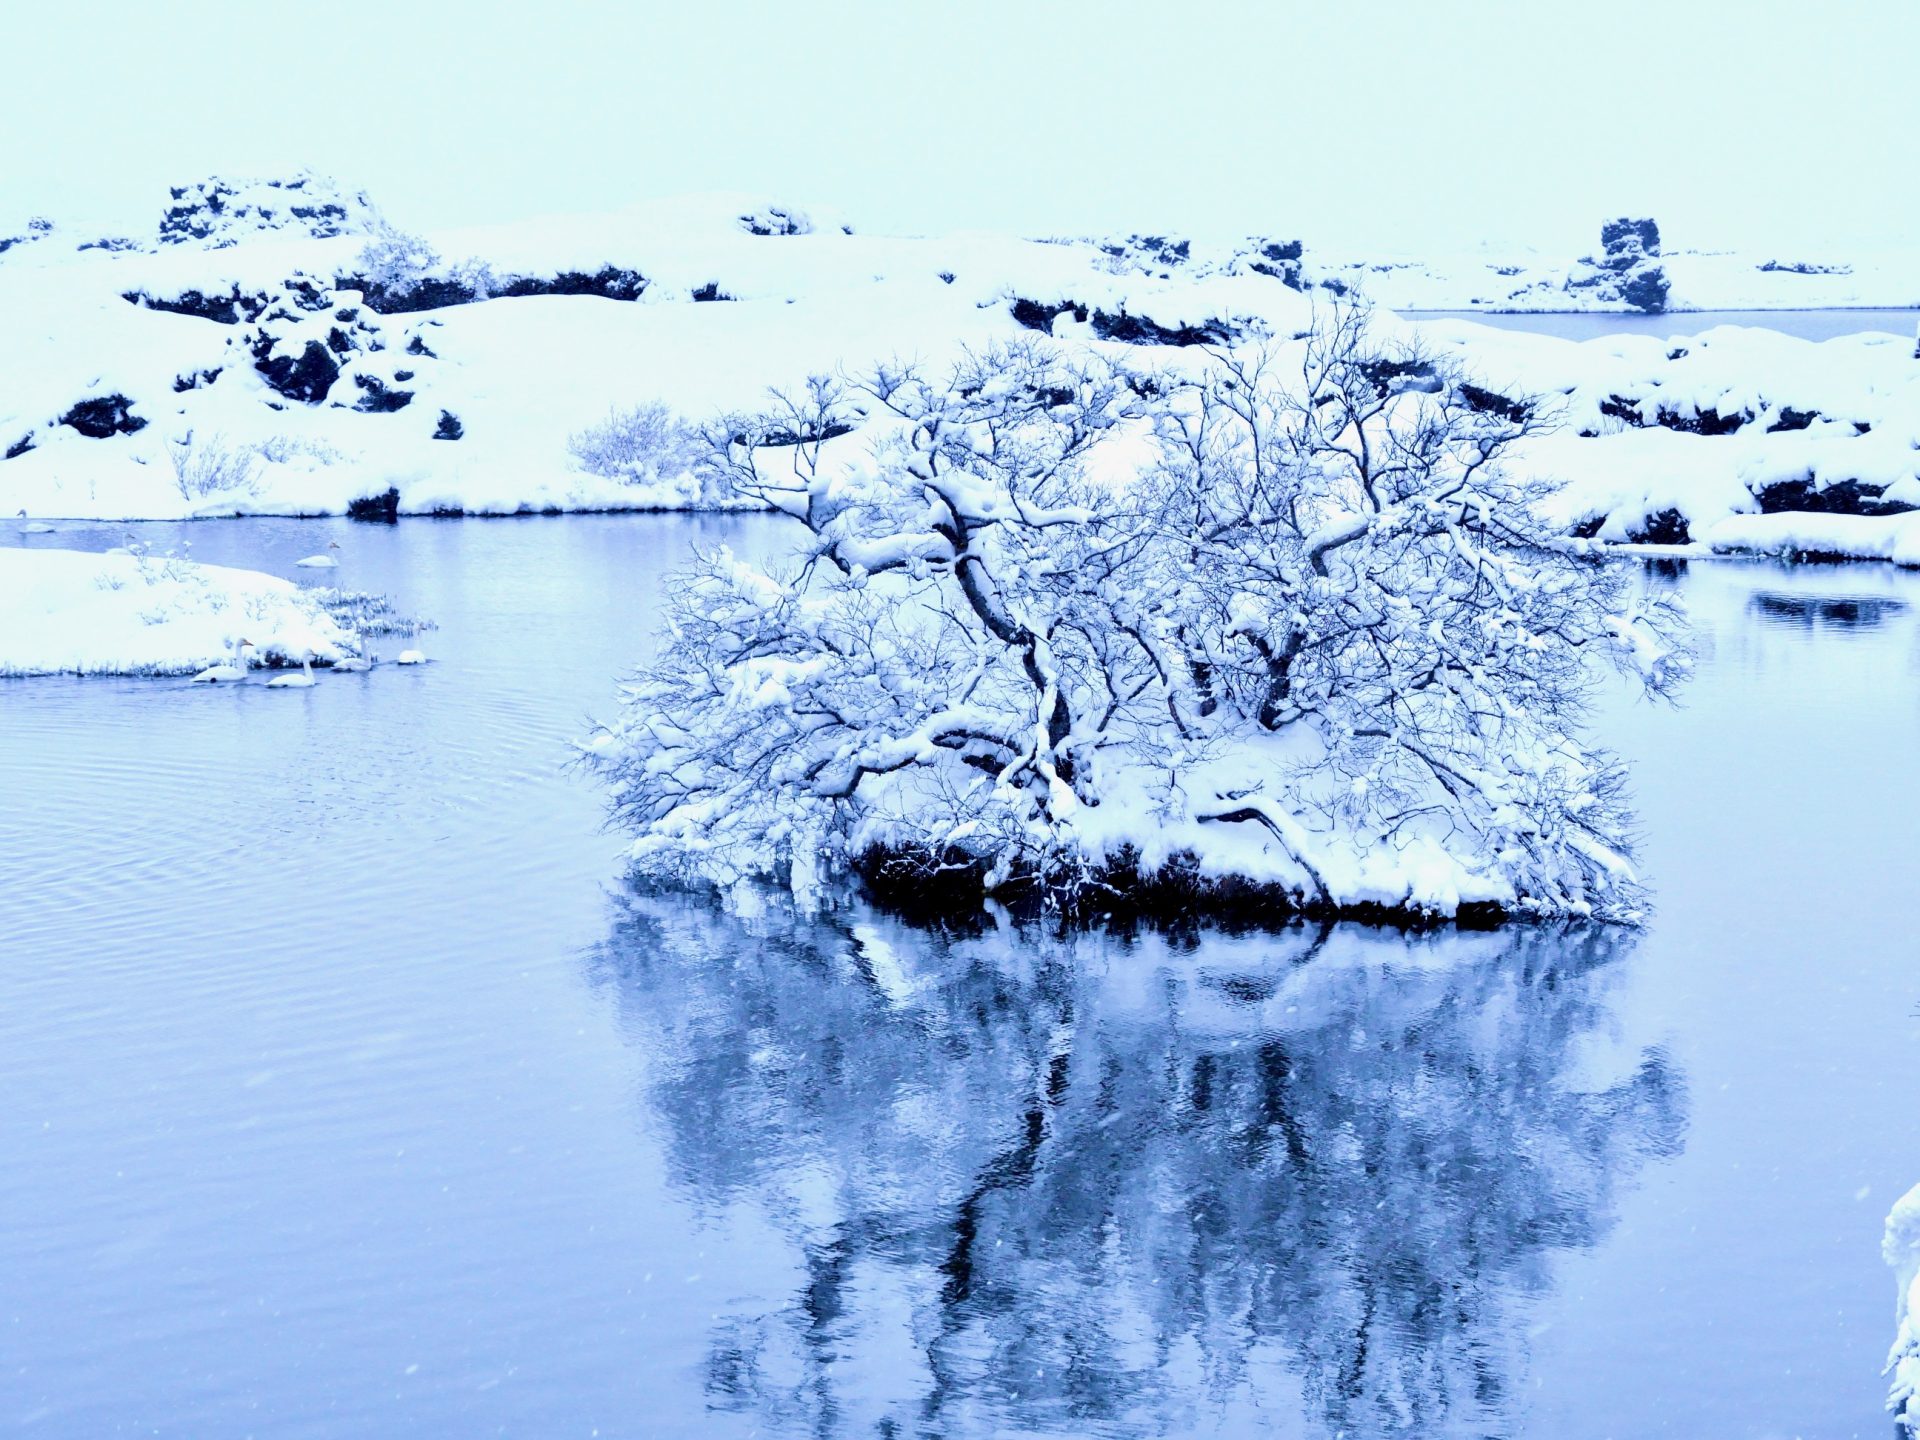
(69, 612)
(280, 349)
(1902, 1249)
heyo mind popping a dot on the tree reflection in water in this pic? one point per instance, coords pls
(1302, 1182)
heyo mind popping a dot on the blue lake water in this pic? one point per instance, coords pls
(345, 1091)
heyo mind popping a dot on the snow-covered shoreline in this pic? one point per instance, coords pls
(1902, 1251)
(71, 612)
(253, 370)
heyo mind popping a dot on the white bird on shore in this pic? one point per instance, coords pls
(355, 664)
(302, 681)
(234, 669)
(411, 657)
(324, 560)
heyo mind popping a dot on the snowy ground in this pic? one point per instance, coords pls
(1903, 1254)
(288, 390)
(128, 613)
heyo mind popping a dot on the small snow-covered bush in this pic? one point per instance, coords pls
(1281, 625)
(396, 262)
(207, 467)
(475, 276)
(365, 613)
(289, 449)
(649, 445)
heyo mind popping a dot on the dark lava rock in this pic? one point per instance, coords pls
(1281, 260)
(610, 282)
(1151, 250)
(18, 448)
(1691, 422)
(1702, 422)
(778, 220)
(711, 291)
(229, 309)
(383, 508)
(1792, 419)
(776, 437)
(377, 398)
(102, 416)
(1038, 316)
(193, 380)
(449, 427)
(1845, 497)
(1390, 376)
(417, 346)
(307, 379)
(1668, 527)
(1492, 402)
(1630, 237)
(1138, 330)
(1646, 290)
(37, 229)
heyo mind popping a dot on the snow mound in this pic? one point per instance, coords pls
(1902, 1251)
(132, 613)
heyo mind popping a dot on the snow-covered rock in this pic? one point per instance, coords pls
(1902, 1250)
(218, 212)
(132, 613)
(1629, 270)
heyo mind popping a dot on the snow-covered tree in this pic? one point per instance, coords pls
(395, 261)
(1060, 625)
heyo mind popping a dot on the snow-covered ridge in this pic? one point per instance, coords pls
(283, 362)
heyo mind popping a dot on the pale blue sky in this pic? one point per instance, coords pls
(1403, 125)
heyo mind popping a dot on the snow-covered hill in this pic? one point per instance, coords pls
(279, 347)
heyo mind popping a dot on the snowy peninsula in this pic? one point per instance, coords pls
(132, 613)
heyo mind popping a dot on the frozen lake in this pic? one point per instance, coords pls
(1806, 324)
(346, 1092)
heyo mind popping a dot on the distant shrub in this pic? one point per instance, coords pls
(209, 467)
(475, 276)
(647, 445)
(285, 449)
(395, 261)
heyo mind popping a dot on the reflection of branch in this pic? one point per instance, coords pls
(1214, 1148)
(1010, 1169)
